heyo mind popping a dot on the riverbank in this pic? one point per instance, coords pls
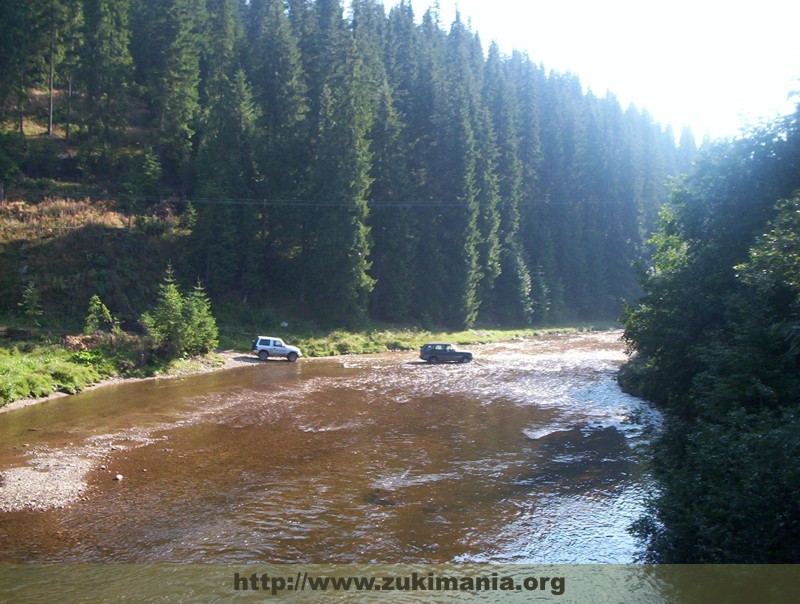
(39, 361)
(56, 478)
(218, 361)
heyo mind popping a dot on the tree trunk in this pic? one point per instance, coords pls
(52, 69)
(69, 106)
(52, 85)
(21, 102)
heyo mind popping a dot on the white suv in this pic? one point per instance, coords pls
(267, 346)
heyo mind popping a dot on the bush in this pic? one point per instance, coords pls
(11, 151)
(140, 171)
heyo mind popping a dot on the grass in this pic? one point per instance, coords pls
(36, 370)
(178, 367)
(22, 221)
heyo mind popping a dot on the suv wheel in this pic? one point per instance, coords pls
(291, 357)
(263, 355)
(465, 359)
(433, 360)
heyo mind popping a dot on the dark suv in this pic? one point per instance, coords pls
(440, 352)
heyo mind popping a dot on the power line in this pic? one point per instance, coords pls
(323, 203)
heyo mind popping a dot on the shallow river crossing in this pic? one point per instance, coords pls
(530, 454)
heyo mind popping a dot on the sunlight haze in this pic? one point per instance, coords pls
(712, 66)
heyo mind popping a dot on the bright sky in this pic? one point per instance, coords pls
(712, 65)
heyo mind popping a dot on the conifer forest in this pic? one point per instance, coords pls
(349, 162)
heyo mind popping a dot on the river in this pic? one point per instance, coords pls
(529, 454)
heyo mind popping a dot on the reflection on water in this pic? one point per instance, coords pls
(528, 454)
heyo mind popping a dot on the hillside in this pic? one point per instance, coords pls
(72, 250)
(375, 166)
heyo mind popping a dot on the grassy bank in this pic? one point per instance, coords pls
(36, 370)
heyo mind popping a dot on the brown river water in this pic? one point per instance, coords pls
(530, 454)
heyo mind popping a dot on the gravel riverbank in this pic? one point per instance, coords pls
(55, 478)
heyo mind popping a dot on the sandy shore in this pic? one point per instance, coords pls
(56, 478)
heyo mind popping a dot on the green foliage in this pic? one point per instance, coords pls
(31, 305)
(11, 154)
(393, 229)
(732, 495)
(99, 317)
(126, 171)
(520, 299)
(774, 261)
(357, 163)
(671, 251)
(106, 66)
(123, 354)
(40, 371)
(715, 341)
(23, 37)
(166, 49)
(202, 335)
(179, 325)
(165, 322)
(337, 268)
(141, 172)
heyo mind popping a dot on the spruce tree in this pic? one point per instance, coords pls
(280, 93)
(180, 325)
(167, 57)
(489, 247)
(106, 66)
(225, 163)
(511, 300)
(202, 335)
(227, 136)
(99, 318)
(338, 264)
(402, 55)
(165, 323)
(450, 273)
(392, 218)
(23, 42)
(31, 304)
(61, 25)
